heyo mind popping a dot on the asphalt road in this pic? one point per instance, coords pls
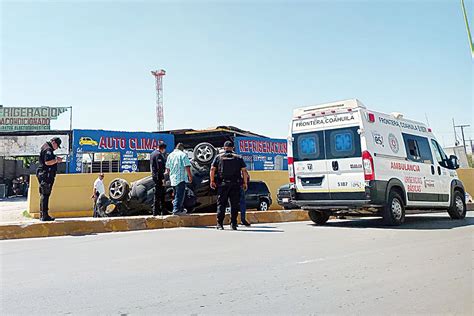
(347, 267)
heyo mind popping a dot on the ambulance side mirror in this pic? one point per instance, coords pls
(454, 162)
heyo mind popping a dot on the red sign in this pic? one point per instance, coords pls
(262, 147)
(405, 166)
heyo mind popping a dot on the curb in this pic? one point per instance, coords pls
(78, 227)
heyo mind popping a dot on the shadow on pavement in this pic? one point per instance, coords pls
(15, 199)
(437, 222)
(252, 229)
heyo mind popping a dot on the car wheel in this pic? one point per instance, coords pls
(458, 206)
(118, 189)
(394, 211)
(204, 153)
(263, 205)
(318, 217)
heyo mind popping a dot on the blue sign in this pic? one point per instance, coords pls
(127, 144)
(262, 153)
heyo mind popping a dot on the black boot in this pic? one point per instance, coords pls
(245, 223)
(46, 218)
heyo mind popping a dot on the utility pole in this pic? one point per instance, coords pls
(455, 135)
(160, 117)
(462, 134)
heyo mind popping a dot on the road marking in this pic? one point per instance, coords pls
(311, 261)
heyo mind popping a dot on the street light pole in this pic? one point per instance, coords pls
(462, 134)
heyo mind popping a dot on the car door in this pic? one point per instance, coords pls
(444, 174)
(421, 178)
(251, 196)
(344, 160)
(310, 166)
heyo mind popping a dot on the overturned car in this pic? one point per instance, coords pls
(127, 199)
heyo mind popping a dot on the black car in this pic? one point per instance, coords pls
(284, 197)
(258, 196)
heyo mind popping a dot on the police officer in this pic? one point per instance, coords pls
(230, 169)
(158, 168)
(46, 172)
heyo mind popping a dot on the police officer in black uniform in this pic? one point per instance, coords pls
(157, 166)
(46, 172)
(230, 169)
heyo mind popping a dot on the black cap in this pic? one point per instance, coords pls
(57, 140)
(228, 144)
(161, 145)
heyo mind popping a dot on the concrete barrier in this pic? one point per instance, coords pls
(87, 226)
(72, 193)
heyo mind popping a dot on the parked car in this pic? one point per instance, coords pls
(284, 197)
(346, 159)
(258, 196)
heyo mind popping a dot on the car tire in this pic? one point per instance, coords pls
(204, 153)
(118, 189)
(393, 212)
(263, 205)
(458, 209)
(318, 217)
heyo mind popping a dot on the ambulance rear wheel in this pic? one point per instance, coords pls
(394, 211)
(318, 217)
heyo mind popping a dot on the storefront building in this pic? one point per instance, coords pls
(262, 153)
(114, 151)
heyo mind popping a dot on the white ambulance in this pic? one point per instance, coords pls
(345, 159)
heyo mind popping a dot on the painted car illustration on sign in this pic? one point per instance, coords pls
(87, 141)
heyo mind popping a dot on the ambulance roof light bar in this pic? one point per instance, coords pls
(347, 104)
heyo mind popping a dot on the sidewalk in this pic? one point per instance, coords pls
(11, 210)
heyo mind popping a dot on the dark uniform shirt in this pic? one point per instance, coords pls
(229, 166)
(47, 154)
(157, 164)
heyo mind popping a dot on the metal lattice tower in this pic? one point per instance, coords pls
(160, 117)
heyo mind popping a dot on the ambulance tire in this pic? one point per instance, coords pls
(318, 217)
(458, 210)
(394, 211)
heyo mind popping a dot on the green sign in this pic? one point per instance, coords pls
(28, 118)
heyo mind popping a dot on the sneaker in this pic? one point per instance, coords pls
(246, 224)
(220, 226)
(183, 212)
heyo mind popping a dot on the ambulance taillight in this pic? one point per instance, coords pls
(291, 170)
(368, 163)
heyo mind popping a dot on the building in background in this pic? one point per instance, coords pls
(262, 153)
(114, 151)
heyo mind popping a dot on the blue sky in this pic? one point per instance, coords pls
(246, 64)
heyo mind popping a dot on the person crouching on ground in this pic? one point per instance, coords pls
(97, 191)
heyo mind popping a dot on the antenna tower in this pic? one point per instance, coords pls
(160, 117)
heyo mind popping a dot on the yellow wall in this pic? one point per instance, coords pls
(467, 178)
(72, 193)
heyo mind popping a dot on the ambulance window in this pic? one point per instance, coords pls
(441, 157)
(418, 148)
(343, 143)
(309, 146)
